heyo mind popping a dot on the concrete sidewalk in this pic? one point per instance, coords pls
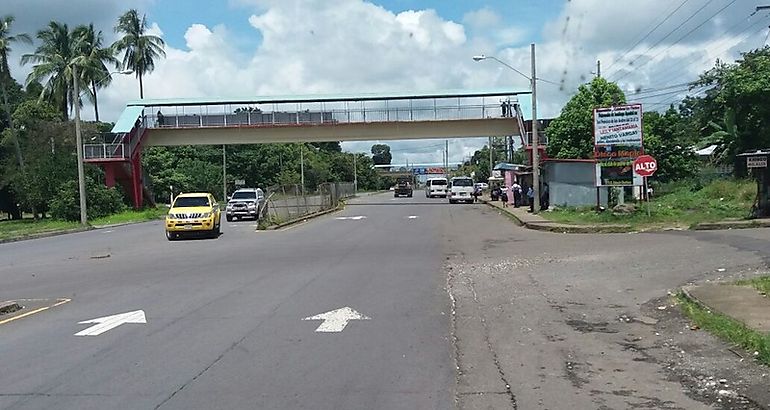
(523, 217)
(743, 303)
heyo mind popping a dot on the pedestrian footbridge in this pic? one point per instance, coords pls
(280, 119)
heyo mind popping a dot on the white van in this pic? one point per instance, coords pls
(461, 189)
(435, 187)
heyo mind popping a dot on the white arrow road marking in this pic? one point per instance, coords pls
(336, 320)
(413, 217)
(110, 322)
(351, 218)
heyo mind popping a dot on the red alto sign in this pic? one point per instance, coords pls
(645, 165)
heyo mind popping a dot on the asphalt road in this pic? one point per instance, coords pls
(464, 310)
(224, 326)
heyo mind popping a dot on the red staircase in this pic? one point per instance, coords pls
(122, 163)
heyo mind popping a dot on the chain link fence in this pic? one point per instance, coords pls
(287, 202)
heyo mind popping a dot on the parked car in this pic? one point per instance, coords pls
(435, 187)
(245, 203)
(194, 213)
(461, 189)
(483, 185)
(403, 187)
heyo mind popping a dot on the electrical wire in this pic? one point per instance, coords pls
(646, 35)
(668, 35)
(680, 38)
(743, 38)
(712, 47)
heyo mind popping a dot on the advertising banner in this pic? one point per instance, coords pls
(617, 143)
(618, 125)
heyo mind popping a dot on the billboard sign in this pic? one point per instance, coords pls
(617, 143)
(618, 125)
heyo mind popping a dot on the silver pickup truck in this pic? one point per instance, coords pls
(245, 203)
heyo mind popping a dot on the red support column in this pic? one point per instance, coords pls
(109, 174)
(136, 180)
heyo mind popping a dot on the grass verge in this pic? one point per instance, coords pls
(148, 214)
(727, 328)
(27, 227)
(683, 205)
(18, 229)
(761, 283)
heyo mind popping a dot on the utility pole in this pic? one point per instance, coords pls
(355, 174)
(598, 69)
(79, 148)
(302, 164)
(446, 158)
(224, 173)
(491, 164)
(535, 142)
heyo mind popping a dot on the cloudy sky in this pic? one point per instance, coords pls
(278, 47)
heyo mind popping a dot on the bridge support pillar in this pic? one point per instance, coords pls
(109, 175)
(136, 180)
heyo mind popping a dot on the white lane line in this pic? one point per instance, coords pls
(412, 217)
(350, 218)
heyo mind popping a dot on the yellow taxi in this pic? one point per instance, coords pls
(194, 213)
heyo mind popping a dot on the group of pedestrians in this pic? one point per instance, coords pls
(525, 195)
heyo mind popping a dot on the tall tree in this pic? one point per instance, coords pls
(141, 49)
(570, 135)
(735, 111)
(6, 40)
(94, 71)
(669, 138)
(53, 60)
(381, 154)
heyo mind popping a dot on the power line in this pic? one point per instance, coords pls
(722, 49)
(725, 31)
(681, 38)
(647, 35)
(669, 34)
(677, 98)
(654, 90)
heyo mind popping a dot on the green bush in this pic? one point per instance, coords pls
(100, 201)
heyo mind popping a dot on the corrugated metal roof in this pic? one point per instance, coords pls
(127, 119)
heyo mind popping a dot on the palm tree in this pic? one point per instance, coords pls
(54, 59)
(141, 49)
(93, 65)
(6, 40)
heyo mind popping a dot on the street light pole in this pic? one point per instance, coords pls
(224, 173)
(535, 143)
(79, 148)
(535, 138)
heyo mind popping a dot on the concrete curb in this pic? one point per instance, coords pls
(46, 234)
(745, 224)
(125, 223)
(303, 218)
(556, 227)
(548, 226)
(687, 295)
